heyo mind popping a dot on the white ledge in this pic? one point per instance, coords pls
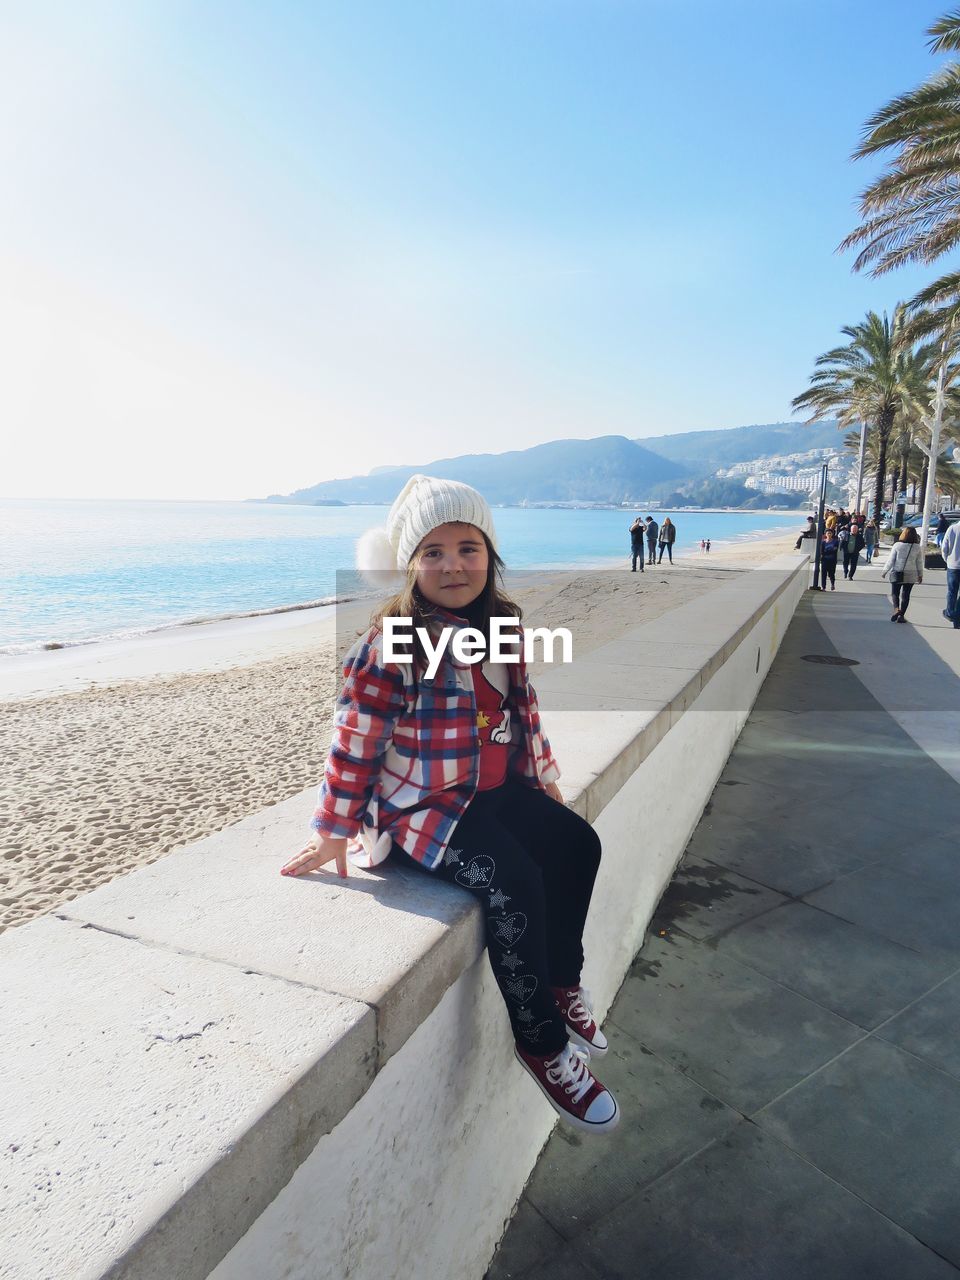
(178, 1040)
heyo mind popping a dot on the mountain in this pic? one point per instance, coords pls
(704, 452)
(608, 469)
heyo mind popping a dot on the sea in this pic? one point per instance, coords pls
(75, 572)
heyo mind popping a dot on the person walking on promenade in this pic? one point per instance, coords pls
(943, 524)
(454, 776)
(904, 570)
(950, 550)
(869, 539)
(851, 551)
(829, 548)
(652, 530)
(843, 533)
(637, 531)
(668, 536)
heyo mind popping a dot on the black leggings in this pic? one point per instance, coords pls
(531, 863)
(828, 569)
(901, 596)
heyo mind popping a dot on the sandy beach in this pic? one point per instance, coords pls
(115, 756)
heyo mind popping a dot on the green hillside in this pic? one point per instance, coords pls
(706, 451)
(608, 469)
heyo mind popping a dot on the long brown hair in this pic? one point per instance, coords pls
(909, 535)
(409, 602)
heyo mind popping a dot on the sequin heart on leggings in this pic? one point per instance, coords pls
(477, 874)
(507, 929)
(520, 987)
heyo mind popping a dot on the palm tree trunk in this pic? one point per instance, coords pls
(884, 423)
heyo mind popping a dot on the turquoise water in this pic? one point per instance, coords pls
(76, 571)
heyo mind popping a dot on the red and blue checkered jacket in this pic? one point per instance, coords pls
(405, 758)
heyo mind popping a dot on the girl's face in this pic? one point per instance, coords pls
(452, 563)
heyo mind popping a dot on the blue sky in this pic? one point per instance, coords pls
(250, 247)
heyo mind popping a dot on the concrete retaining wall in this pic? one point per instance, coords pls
(215, 1071)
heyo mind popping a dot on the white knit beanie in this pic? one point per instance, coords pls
(423, 503)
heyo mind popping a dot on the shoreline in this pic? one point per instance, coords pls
(227, 640)
(116, 762)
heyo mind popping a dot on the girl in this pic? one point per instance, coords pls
(455, 777)
(905, 571)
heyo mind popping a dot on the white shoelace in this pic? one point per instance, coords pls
(578, 1010)
(570, 1070)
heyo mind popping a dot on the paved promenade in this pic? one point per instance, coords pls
(786, 1046)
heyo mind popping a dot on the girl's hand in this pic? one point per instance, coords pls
(553, 791)
(315, 853)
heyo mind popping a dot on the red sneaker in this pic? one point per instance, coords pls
(574, 1004)
(578, 1097)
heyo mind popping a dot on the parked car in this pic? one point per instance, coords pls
(916, 520)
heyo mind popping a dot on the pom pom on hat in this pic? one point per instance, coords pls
(376, 559)
(423, 503)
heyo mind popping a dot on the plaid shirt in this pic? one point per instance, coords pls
(405, 758)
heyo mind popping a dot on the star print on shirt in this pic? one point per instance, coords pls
(525, 1015)
(450, 858)
(498, 899)
(511, 962)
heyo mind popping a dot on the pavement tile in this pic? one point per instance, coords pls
(528, 1242)
(885, 1125)
(872, 731)
(565, 1266)
(861, 976)
(905, 908)
(931, 1027)
(933, 858)
(703, 899)
(744, 1038)
(782, 858)
(664, 1118)
(748, 1209)
(784, 775)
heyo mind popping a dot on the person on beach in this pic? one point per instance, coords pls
(829, 549)
(454, 777)
(637, 536)
(668, 536)
(703, 545)
(708, 546)
(869, 540)
(652, 531)
(950, 550)
(905, 570)
(851, 551)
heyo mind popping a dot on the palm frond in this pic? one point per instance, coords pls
(945, 32)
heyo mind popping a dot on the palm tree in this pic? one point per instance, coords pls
(877, 378)
(911, 212)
